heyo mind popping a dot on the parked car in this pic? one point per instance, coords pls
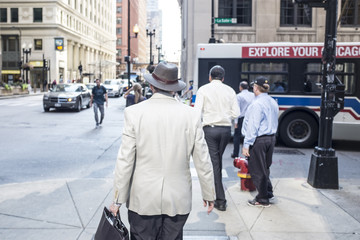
(113, 87)
(67, 96)
(90, 86)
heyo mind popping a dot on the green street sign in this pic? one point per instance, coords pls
(225, 20)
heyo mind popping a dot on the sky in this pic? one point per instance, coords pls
(171, 39)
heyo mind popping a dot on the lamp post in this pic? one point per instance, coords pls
(26, 51)
(135, 31)
(20, 62)
(150, 33)
(212, 38)
(159, 52)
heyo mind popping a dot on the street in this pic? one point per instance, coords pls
(41, 151)
(58, 144)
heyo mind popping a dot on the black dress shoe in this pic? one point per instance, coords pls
(220, 207)
(233, 156)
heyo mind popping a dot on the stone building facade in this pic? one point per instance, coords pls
(66, 33)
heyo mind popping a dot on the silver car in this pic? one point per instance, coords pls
(67, 96)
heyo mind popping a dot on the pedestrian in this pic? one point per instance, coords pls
(244, 98)
(54, 83)
(259, 128)
(189, 93)
(98, 97)
(152, 173)
(135, 98)
(217, 103)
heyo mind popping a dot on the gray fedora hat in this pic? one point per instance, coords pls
(165, 77)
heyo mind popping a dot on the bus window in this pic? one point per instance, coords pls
(346, 74)
(313, 77)
(312, 83)
(277, 73)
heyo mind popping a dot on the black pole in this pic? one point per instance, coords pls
(128, 60)
(151, 34)
(212, 39)
(323, 171)
(159, 53)
(151, 59)
(43, 73)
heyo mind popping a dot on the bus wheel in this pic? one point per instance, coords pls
(299, 130)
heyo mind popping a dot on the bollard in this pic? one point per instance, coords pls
(245, 178)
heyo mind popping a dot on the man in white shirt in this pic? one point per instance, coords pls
(244, 99)
(218, 105)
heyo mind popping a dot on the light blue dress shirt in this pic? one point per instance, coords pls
(261, 118)
(244, 99)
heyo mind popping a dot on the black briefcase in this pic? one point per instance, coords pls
(111, 227)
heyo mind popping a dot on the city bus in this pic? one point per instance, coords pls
(295, 72)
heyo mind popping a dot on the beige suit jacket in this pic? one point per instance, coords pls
(152, 172)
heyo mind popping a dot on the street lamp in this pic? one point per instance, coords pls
(212, 38)
(150, 33)
(159, 52)
(135, 31)
(128, 57)
(26, 51)
(20, 62)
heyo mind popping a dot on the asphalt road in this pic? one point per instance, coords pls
(59, 144)
(65, 144)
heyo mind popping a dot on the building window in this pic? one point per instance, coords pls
(38, 44)
(118, 30)
(239, 9)
(38, 15)
(119, 10)
(119, 1)
(119, 41)
(294, 14)
(350, 13)
(119, 20)
(119, 53)
(3, 14)
(14, 14)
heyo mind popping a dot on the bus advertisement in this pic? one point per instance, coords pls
(295, 74)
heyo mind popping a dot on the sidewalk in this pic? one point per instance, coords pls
(38, 92)
(69, 209)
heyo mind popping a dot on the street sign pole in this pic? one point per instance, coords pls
(323, 171)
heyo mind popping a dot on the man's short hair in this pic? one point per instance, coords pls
(244, 85)
(217, 72)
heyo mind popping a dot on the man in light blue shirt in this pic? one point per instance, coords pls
(259, 128)
(244, 99)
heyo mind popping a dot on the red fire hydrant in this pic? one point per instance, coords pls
(243, 173)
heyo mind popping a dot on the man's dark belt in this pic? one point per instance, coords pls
(206, 126)
(271, 135)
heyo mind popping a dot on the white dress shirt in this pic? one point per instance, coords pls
(217, 103)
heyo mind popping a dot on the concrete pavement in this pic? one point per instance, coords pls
(69, 209)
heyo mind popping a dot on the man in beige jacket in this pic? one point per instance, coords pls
(152, 173)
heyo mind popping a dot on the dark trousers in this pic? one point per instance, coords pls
(259, 166)
(217, 138)
(238, 137)
(157, 227)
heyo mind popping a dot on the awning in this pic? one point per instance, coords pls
(10, 72)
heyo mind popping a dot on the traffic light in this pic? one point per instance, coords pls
(45, 63)
(20, 64)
